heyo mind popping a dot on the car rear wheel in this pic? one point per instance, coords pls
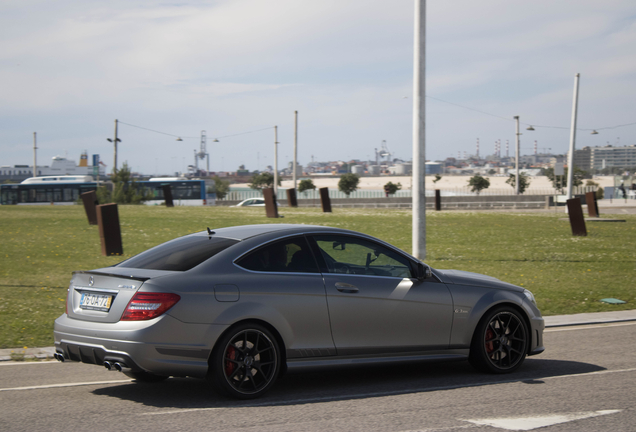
(500, 342)
(245, 362)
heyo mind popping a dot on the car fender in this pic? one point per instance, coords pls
(469, 306)
(245, 311)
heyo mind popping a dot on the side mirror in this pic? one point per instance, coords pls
(423, 271)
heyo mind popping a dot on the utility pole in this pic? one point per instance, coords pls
(575, 104)
(114, 141)
(517, 155)
(295, 146)
(35, 164)
(276, 161)
(419, 144)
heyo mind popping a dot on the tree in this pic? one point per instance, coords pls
(437, 178)
(305, 185)
(221, 187)
(560, 182)
(263, 180)
(391, 188)
(348, 183)
(125, 189)
(524, 182)
(478, 183)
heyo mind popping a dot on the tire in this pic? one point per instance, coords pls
(245, 362)
(500, 341)
(146, 377)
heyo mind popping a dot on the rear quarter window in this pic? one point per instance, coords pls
(180, 254)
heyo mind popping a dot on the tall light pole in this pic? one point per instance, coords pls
(575, 103)
(419, 145)
(276, 161)
(295, 146)
(115, 140)
(517, 154)
(35, 164)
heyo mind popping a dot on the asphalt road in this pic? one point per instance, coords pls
(585, 381)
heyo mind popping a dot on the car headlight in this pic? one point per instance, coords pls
(530, 296)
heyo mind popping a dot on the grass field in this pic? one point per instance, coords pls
(43, 245)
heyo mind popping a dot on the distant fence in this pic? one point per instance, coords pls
(371, 194)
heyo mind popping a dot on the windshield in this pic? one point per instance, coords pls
(180, 254)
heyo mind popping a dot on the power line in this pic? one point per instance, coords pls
(528, 124)
(156, 131)
(182, 136)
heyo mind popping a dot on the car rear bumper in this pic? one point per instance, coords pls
(163, 346)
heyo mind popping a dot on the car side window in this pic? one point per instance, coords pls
(353, 255)
(288, 255)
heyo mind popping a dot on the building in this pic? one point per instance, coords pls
(597, 158)
(59, 166)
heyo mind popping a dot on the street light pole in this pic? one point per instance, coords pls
(575, 104)
(517, 155)
(114, 141)
(419, 144)
(276, 161)
(295, 146)
(35, 164)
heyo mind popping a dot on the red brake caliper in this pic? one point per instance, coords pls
(230, 366)
(490, 347)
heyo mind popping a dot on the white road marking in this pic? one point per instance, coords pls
(21, 363)
(588, 326)
(389, 393)
(529, 423)
(50, 386)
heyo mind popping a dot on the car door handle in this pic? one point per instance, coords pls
(346, 288)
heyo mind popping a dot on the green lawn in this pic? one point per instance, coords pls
(43, 245)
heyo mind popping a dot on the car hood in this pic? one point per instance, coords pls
(459, 277)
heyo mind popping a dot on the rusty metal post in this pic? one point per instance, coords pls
(291, 198)
(109, 230)
(90, 202)
(271, 207)
(325, 200)
(167, 195)
(592, 206)
(438, 200)
(575, 213)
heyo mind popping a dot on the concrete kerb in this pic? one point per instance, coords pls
(46, 353)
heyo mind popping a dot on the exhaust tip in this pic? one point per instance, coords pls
(108, 365)
(59, 357)
(118, 367)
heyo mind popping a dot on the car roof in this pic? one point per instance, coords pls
(246, 231)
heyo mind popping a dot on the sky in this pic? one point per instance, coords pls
(237, 68)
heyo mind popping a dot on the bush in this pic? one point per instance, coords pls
(125, 189)
(390, 188)
(348, 183)
(524, 182)
(305, 185)
(478, 183)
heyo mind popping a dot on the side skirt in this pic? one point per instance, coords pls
(294, 365)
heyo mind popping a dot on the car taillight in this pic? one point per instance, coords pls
(145, 305)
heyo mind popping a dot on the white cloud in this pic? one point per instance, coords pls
(70, 68)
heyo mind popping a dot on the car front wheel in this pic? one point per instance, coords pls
(500, 342)
(245, 362)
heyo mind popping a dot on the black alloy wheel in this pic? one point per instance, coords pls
(500, 342)
(245, 362)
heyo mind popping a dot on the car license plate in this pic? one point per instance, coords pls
(93, 301)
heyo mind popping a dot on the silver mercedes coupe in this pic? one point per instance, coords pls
(239, 306)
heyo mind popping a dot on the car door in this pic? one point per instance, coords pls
(284, 276)
(376, 305)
